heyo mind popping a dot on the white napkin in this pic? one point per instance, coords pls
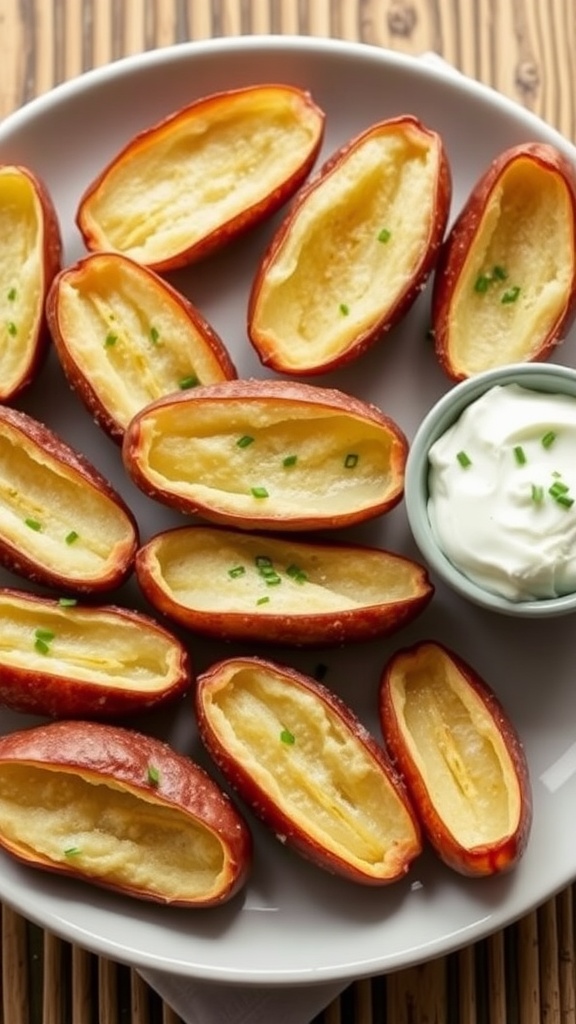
(199, 1002)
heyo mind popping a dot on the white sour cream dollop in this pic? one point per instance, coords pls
(502, 493)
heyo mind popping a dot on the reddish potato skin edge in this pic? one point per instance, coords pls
(51, 264)
(33, 691)
(75, 376)
(124, 756)
(80, 467)
(281, 391)
(236, 226)
(300, 630)
(485, 860)
(281, 824)
(391, 316)
(456, 247)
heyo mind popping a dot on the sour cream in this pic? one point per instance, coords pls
(502, 493)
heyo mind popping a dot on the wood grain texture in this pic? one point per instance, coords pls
(523, 48)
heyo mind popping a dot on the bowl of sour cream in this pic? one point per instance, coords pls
(490, 489)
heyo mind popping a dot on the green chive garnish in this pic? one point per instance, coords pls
(351, 460)
(520, 455)
(289, 460)
(263, 600)
(237, 570)
(44, 634)
(296, 573)
(153, 775)
(499, 273)
(72, 851)
(259, 492)
(557, 489)
(110, 340)
(287, 737)
(384, 235)
(12, 329)
(482, 284)
(244, 441)
(344, 309)
(537, 494)
(154, 335)
(188, 382)
(33, 524)
(71, 537)
(67, 602)
(464, 459)
(548, 438)
(41, 646)
(12, 295)
(510, 295)
(564, 500)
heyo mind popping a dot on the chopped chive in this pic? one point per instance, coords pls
(384, 235)
(188, 382)
(537, 494)
(153, 775)
(67, 602)
(237, 570)
(499, 273)
(351, 460)
(262, 561)
(548, 438)
(72, 851)
(296, 573)
(263, 600)
(289, 460)
(259, 492)
(482, 284)
(12, 329)
(558, 488)
(71, 537)
(564, 500)
(44, 634)
(520, 455)
(154, 335)
(267, 571)
(12, 295)
(110, 340)
(33, 524)
(510, 295)
(287, 737)
(244, 441)
(41, 646)
(344, 309)
(464, 459)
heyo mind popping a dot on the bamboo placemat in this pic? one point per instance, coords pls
(524, 974)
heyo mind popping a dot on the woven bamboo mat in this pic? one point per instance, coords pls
(524, 974)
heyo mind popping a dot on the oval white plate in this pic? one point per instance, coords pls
(295, 924)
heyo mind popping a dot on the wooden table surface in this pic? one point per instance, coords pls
(524, 48)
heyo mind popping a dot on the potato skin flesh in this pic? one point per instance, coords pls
(122, 759)
(424, 664)
(322, 586)
(265, 787)
(55, 659)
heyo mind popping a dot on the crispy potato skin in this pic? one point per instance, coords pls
(241, 398)
(458, 249)
(301, 624)
(33, 681)
(80, 274)
(277, 353)
(502, 853)
(236, 224)
(277, 813)
(52, 449)
(48, 241)
(121, 758)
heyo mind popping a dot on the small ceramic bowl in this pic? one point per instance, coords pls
(546, 377)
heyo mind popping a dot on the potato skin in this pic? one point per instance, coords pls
(236, 223)
(201, 333)
(48, 241)
(277, 352)
(47, 686)
(53, 450)
(458, 248)
(239, 400)
(484, 858)
(122, 758)
(276, 812)
(298, 564)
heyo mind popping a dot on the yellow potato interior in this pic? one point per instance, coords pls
(213, 571)
(182, 183)
(107, 833)
(341, 462)
(518, 274)
(55, 517)
(459, 751)
(304, 758)
(21, 273)
(84, 644)
(129, 338)
(351, 250)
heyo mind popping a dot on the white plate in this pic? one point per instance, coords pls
(295, 924)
